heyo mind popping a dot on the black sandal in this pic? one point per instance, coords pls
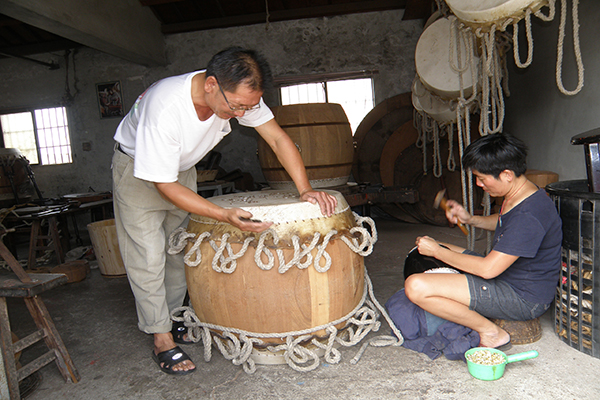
(179, 330)
(167, 359)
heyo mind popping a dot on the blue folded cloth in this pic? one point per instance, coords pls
(427, 333)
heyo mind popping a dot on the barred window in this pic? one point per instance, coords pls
(41, 135)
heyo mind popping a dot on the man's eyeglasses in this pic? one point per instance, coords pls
(236, 109)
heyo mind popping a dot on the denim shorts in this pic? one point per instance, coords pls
(495, 298)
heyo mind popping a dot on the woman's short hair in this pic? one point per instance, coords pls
(236, 65)
(494, 153)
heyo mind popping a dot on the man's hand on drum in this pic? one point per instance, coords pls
(427, 246)
(326, 201)
(243, 220)
(455, 213)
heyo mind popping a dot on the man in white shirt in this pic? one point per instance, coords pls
(171, 127)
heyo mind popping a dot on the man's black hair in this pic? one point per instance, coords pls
(236, 65)
(492, 154)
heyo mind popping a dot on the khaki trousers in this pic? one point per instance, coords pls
(144, 221)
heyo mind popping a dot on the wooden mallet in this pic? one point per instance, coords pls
(440, 202)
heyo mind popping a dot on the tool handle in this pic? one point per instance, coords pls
(522, 356)
(463, 228)
(444, 207)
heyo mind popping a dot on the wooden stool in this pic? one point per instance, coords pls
(51, 239)
(29, 290)
(521, 332)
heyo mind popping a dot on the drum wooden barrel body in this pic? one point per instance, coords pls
(322, 133)
(269, 301)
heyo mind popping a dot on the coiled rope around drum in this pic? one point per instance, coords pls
(236, 344)
(224, 259)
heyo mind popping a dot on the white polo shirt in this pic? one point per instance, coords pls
(164, 135)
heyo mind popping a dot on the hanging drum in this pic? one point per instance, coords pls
(15, 186)
(424, 101)
(303, 278)
(485, 13)
(323, 136)
(440, 74)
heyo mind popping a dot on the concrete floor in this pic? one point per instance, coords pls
(97, 321)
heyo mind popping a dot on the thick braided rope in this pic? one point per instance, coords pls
(437, 157)
(260, 249)
(321, 253)
(236, 344)
(576, 48)
(220, 263)
(178, 240)
(451, 161)
(529, 41)
(225, 260)
(368, 240)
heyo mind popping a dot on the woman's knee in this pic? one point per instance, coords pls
(414, 287)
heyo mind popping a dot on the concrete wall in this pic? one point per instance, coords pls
(536, 110)
(380, 41)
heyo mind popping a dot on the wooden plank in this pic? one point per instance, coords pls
(285, 15)
(36, 364)
(8, 354)
(10, 286)
(13, 263)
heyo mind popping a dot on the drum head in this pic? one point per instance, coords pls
(433, 65)
(280, 206)
(486, 11)
(423, 100)
(291, 217)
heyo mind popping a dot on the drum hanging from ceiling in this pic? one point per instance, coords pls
(482, 13)
(442, 70)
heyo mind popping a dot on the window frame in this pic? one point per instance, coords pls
(32, 110)
(323, 79)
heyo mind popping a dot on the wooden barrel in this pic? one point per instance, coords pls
(103, 235)
(322, 133)
(269, 301)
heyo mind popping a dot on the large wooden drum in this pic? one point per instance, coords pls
(272, 286)
(322, 133)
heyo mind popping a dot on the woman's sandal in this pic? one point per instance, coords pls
(179, 330)
(167, 359)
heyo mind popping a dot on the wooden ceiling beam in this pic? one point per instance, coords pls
(149, 3)
(38, 48)
(299, 13)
